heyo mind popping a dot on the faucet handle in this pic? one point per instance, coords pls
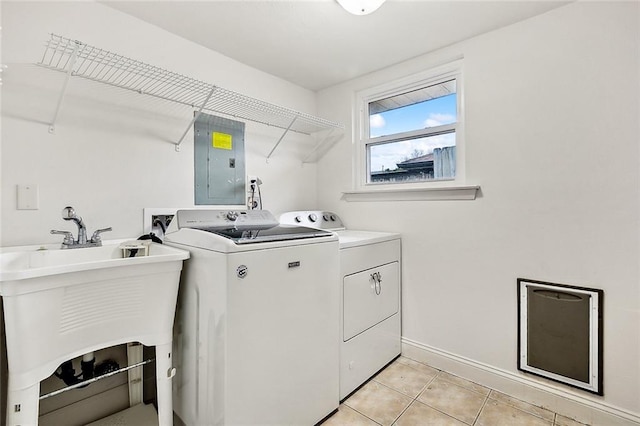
(96, 235)
(68, 237)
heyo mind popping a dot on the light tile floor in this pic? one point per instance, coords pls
(409, 393)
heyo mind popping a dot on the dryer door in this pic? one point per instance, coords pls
(370, 297)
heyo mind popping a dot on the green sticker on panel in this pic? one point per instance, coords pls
(222, 141)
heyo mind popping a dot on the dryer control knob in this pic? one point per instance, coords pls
(313, 217)
(298, 219)
(333, 217)
(325, 217)
(232, 215)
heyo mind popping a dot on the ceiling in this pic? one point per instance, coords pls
(315, 43)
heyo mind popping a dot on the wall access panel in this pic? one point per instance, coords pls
(560, 333)
(219, 161)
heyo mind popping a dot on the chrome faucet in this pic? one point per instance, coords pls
(68, 213)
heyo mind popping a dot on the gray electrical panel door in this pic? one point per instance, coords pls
(219, 161)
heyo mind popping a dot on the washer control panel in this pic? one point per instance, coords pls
(226, 219)
(317, 219)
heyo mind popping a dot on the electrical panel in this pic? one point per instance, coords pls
(219, 161)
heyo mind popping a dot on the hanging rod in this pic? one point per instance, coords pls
(82, 60)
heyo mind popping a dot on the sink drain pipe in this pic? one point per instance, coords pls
(68, 373)
(87, 365)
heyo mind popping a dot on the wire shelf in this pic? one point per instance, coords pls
(82, 60)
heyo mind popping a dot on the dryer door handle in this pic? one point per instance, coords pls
(377, 282)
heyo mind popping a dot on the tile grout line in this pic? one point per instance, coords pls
(553, 421)
(441, 374)
(401, 413)
(486, 398)
(436, 409)
(421, 372)
(365, 416)
(362, 414)
(413, 399)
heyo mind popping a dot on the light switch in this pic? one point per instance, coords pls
(27, 197)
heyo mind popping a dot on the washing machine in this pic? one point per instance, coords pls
(256, 330)
(370, 268)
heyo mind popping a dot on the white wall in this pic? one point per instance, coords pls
(111, 154)
(552, 135)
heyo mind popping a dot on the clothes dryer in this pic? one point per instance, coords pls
(370, 271)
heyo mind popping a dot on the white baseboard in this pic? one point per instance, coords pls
(558, 398)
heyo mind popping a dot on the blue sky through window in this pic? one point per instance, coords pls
(431, 113)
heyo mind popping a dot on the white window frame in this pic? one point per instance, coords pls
(362, 141)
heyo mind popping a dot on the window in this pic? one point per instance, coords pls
(410, 131)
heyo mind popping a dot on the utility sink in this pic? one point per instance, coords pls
(20, 263)
(60, 304)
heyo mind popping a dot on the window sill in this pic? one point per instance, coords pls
(415, 194)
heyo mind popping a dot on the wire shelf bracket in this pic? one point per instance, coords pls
(69, 72)
(282, 137)
(92, 63)
(195, 117)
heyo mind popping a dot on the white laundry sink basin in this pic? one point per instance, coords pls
(19, 263)
(59, 304)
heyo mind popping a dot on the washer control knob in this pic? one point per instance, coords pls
(333, 217)
(313, 217)
(232, 215)
(325, 217)
(298, 219)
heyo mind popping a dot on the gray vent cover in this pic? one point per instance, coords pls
(560, 333)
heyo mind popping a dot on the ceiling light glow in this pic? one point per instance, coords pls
(360, 7)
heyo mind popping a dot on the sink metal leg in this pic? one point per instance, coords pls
(22, 405)
(164, 374)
